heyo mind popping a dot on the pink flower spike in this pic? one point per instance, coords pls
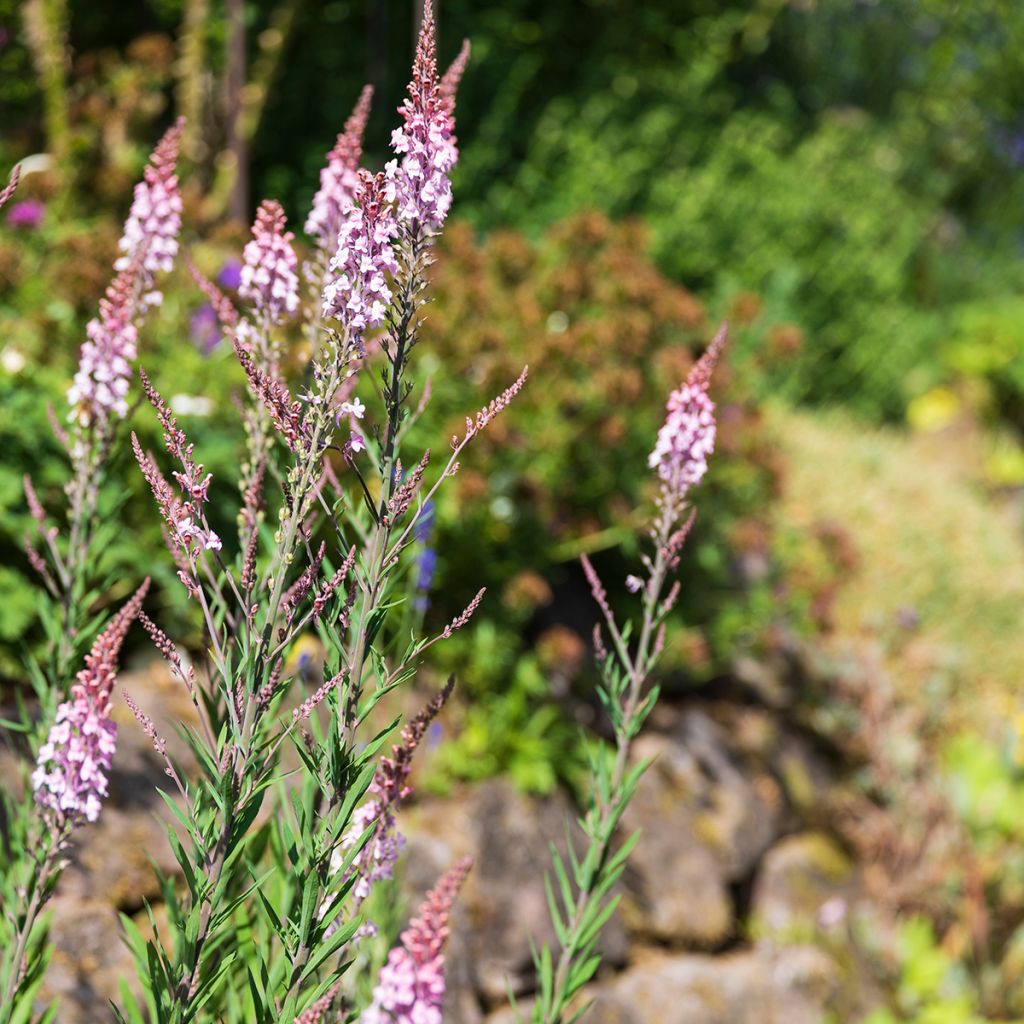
(358, 293)
(152, 228)
(184, 515)
(418, 179)
(269, 272)
(687, 436)
(70, 780)
(411, 986)
(339, 179)
(100, 387)
(316, 1012)
(390, 786)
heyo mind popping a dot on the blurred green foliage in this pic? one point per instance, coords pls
(855, 163)
(932, 988)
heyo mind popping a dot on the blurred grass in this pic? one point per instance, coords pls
(930, 542)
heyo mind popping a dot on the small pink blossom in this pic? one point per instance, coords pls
(634, 584)
(354, 408)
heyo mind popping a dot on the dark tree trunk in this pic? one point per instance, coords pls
(234, 85)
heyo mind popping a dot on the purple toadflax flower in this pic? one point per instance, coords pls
(27, 215)
(359, 296)
(70, 780)
(411, 985)
(269, 278)
(151, 230)
(339, 179)
(204, 328)
(230, 275)
(418, 180)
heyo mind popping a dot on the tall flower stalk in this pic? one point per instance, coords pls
(580, 893)
(72, 761)
(69, 786)
(98, 401)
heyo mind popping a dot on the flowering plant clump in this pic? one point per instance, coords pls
(582, 899)
(290, 820)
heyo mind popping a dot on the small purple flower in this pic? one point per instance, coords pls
(230, 275)
(204, 328)
(435, 736)
(26, 215)
(426, 565)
